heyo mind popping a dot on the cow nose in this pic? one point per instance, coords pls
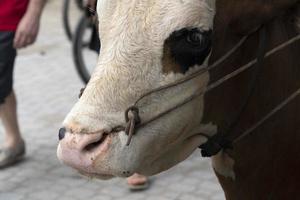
(79, 150)
(61, 133)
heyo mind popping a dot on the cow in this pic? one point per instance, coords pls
(147, 45)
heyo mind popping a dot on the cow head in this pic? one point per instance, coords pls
(144, 45)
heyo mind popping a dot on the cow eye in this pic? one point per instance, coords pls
(199, 39)
(187, 48)
(195, 38)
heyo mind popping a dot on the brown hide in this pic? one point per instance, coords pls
(267, 162)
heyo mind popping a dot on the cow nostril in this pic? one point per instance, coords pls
(90, 147)
(61, 133)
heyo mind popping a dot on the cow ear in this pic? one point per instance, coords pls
(245, 16)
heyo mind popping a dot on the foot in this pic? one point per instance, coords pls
(11, 155)
(138, 182)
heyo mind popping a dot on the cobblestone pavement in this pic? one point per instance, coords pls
(47, 86)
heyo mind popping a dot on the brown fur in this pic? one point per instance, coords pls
(169, 64)
(297, 17)
(267, 164)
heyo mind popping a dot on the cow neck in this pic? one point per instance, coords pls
(229, 127)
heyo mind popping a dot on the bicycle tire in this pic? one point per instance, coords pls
(80, 65)
(66, 13)
(66, 22)
(80, 4)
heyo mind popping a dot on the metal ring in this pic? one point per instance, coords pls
(135, 112)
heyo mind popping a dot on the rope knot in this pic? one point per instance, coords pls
(132, 119)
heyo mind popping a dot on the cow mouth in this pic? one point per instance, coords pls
(95, 175)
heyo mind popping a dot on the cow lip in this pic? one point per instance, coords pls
(95, 175)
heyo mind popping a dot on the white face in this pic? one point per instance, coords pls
(134, 35)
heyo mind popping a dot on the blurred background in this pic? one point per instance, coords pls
(47, 85)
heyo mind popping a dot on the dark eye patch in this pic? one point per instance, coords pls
(186, 48)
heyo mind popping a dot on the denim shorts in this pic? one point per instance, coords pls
(7, 59)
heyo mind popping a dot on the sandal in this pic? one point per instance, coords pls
(10, 156)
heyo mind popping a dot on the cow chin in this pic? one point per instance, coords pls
(171, 157)
(177, 138)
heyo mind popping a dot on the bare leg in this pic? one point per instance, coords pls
(8, 115)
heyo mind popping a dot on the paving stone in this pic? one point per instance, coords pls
(100, 197)
(10, 196)
(172, 194)
(217, 196)
(45, 194)
(182, 187)
(157, 198)
(190, 197)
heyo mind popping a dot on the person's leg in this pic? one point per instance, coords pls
(8, 115)
(13, 148)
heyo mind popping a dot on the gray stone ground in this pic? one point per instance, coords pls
(47, 86)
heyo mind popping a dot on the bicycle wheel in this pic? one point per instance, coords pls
(79, 4)
(86, 48)
(67, 7)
